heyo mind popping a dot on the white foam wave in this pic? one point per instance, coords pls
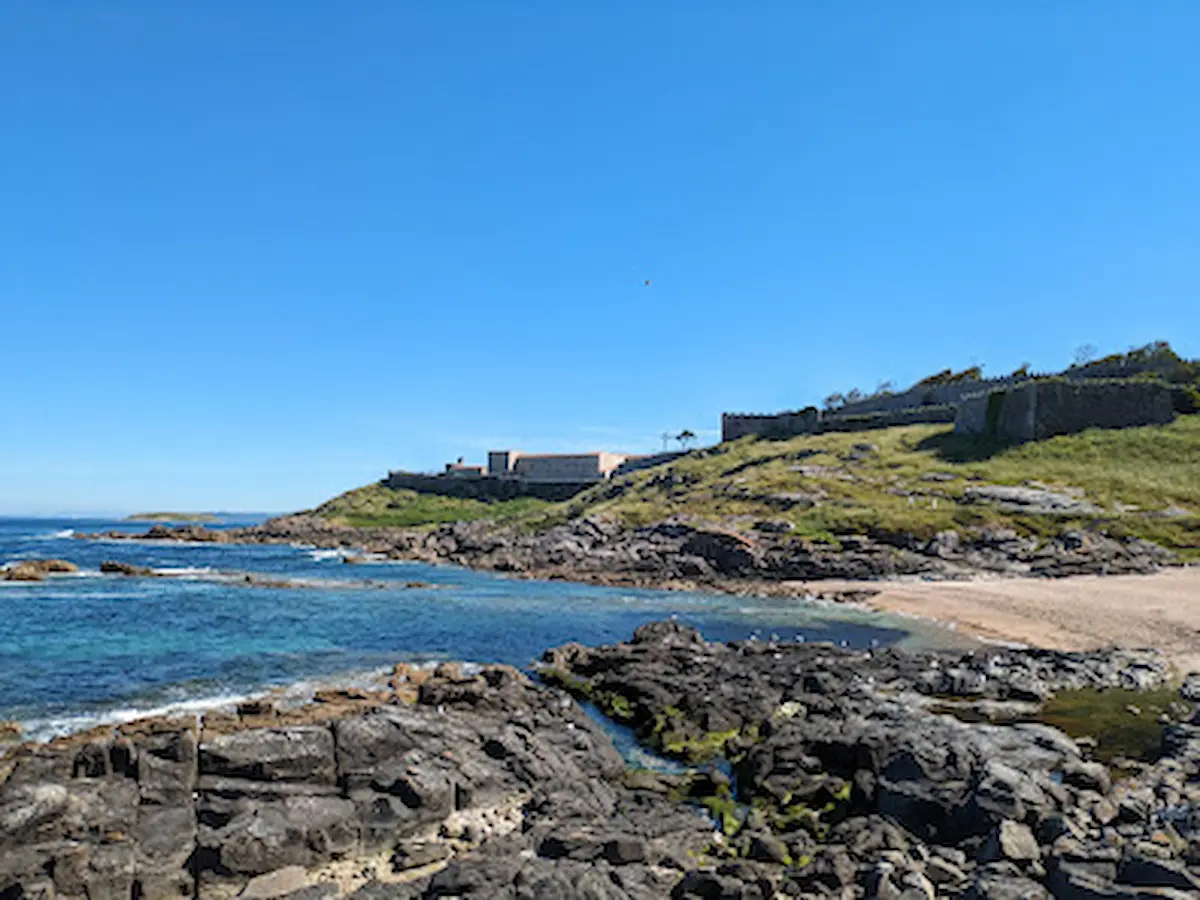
(152, 542)
(57, 726)
(322, 554)
(285, 696)
(186, 571)
(62, 534)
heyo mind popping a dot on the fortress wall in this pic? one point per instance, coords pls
(1041, 409)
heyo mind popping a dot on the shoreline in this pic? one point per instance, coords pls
(1159, 609)
(787, 765)
(284, 696)
(1083, 612)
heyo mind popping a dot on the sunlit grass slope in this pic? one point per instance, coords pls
(377, 506)
(912, 480)
(1146, 482)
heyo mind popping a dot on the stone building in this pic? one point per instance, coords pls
(560, 468)
(461, 470)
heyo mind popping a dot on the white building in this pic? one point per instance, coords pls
(558, 468)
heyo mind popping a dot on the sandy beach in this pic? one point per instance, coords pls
(1080, 613)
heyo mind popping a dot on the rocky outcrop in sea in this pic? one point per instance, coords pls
(679, 553)
(811, 771)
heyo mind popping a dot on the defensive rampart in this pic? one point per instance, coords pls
(813, 421)
(952, 397)
(1042, 409)
(637, 463)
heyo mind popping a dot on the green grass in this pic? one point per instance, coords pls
(1154, 468)
(376, 506)
(736, 484)
(1123, 723)
(204, 518)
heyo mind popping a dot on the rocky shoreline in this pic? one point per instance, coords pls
(815, 771)
(692, 556)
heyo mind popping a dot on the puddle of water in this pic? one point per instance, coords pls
(1123, 723)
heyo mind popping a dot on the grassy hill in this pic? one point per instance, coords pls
(916, 480)
(197, 518)
(375, 506)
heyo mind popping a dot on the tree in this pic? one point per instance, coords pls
(884, 387)
(853, 395)
(1084, 354)
(685, 437)
(834, 401)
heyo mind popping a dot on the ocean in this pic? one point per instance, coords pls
(86, 648)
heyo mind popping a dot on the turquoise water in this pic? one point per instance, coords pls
(81, 649)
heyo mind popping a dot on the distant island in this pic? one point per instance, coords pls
(207, 518)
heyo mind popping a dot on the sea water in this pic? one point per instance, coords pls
(86, 648)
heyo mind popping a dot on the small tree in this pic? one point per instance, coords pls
(884, 387)
(834, 401)
(1084, 354)
(853, 395)
(685, 438)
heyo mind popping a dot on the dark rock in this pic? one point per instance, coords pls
(303, 753)
(1011, 841)
(847, 784)
(999, 883)
(768, 848)
(278, 883)
(1190, 689)
(36, 569)
(667, 632)
(1145, 871)
(1088, 776)
(728, 553)
(625, 849)
(709, 886)
(413, 854)
(111, 567)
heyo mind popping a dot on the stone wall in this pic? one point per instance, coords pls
(1065, 407)
(781, 425)
(1042, 409)
(919, 395)
(927, 395)
(969, 399)
(916, 415)
(786, 425)
(637, 463)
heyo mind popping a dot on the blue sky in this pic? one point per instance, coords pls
(255, 254)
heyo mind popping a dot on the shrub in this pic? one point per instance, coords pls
(1186, 399)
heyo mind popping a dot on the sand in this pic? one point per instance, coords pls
(1078, 613)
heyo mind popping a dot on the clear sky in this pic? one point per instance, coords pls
(253, 254)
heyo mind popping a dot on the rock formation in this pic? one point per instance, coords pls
(683, 554)
(814, 772)
(36, 569)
